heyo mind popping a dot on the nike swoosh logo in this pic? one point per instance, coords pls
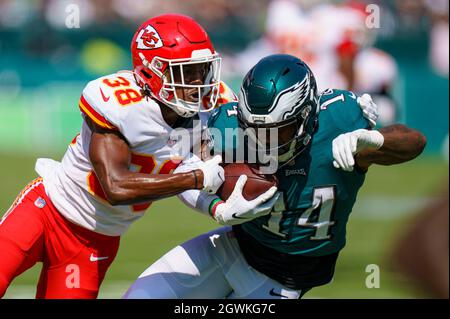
(273, 293)
(106, 99)
(237, 217)
(93, 258)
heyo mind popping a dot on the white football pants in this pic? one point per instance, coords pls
(210, 266)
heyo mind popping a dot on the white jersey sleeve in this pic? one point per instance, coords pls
(115, 102)
(95, 102)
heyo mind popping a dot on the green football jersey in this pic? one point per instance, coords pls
(310, 218)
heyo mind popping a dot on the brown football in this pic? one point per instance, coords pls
(256, 184)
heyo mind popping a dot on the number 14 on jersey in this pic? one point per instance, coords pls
(319, 216)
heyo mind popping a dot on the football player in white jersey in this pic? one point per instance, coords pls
(71, 218)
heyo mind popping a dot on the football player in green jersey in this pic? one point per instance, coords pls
(283, 246)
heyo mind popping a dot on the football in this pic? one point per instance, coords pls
(256, 184)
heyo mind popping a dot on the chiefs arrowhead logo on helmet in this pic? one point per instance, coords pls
(148, 38)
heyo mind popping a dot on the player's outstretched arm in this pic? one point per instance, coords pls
(392, 144)
(401, 144)
(110, 157)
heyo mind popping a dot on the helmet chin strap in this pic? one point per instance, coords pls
(306, 139)
(286, 157)
(182, 112)
(289, 154)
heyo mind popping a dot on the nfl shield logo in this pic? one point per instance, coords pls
(40, 202)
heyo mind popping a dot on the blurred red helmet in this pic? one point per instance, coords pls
(165, 51)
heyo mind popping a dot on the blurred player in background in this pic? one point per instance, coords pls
(72, 217)
(334, 40)
(287, 246)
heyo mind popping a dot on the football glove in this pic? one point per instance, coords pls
(369, 108)
(213, 174)
(238, 210)
(348, 144)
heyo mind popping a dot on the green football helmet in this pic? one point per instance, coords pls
(280, 92)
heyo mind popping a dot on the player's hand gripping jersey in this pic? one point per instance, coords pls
(114, 102)
(310, 218)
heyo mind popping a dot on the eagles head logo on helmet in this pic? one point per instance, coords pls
(175, 62)
(279, 92)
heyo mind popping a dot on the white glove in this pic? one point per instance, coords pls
(369, 108)
(348, 144)
(213, 174)
(238, 210)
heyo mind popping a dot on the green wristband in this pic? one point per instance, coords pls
(213, 206)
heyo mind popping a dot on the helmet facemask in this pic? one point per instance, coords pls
(189, 85)
(292, 136)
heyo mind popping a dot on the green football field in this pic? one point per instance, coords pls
(385, 207)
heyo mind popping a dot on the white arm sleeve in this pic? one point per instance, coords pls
(194, 198)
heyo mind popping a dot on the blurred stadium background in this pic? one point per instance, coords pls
(44, 66)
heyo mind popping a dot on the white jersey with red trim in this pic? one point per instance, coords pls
(113, 102)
